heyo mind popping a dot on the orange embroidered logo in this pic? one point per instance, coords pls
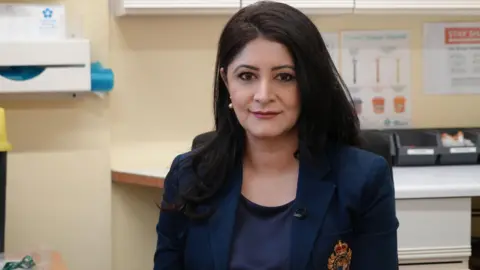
(340, 258)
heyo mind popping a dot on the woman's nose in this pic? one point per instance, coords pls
(264, 92)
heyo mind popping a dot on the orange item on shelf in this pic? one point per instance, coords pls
(399, 104)
(378, 105)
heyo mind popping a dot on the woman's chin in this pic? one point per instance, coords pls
(266, 134)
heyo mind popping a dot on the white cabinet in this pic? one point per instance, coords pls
(446, 266)
(311, 7)
(434, 210)
(316, 6)
(434, 233)
(444, 7)
(175, 7)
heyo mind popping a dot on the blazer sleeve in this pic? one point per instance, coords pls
(171, 226)
(375, 242)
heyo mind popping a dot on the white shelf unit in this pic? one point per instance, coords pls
(312, 7)
(174, 7)
(418, 7)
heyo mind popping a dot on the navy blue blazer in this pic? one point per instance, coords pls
(350, 221)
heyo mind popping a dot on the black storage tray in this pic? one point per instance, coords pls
(458, 154)
(378, 142)
(415, 147)
(476, 131)
(390, 135)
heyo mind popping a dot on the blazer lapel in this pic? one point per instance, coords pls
(222, 222)
(311, 204)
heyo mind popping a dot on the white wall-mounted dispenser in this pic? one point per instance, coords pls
(34, 66)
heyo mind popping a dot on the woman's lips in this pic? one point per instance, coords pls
(265, 115)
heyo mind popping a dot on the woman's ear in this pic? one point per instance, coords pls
(223, 74)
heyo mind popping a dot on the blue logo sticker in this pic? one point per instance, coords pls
(387, 122)
(47, 13)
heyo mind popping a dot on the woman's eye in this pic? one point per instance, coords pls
(285, 77)
(246, 76)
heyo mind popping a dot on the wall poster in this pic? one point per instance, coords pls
(451, 58)
(332, 40)
(376, 67)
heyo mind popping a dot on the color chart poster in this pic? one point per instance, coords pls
(332, 41)
(376, 66)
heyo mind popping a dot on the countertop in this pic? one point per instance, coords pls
(436, 181)
(410, 182)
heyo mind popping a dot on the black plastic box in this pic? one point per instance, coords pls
(378, 142)
(476, 131)
(458, 154)
(415, 147)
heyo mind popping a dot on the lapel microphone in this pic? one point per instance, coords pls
(300, 213)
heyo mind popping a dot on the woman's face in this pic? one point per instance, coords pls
(263, 89)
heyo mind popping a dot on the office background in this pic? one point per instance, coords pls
(60, 193)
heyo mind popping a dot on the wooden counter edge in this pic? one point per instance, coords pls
(137, 179)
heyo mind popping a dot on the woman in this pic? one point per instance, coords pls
(282, 185)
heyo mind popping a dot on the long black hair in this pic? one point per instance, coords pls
(327, 114)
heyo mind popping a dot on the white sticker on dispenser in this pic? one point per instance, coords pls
(32, 21)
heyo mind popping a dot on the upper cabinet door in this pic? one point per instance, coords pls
(316, 6)
(446, 7)
(165, 7)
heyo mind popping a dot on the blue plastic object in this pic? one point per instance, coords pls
(21, 73)
(102, 79)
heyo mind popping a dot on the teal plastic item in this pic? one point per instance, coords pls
(26, 263)
(102, 79)
(21, 73)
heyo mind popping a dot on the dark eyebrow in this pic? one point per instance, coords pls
(246, 66)
(284, 66)
(256, 68)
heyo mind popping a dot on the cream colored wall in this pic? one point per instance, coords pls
(163, 99)
(59, 184)
(59, 190)
(164, 67)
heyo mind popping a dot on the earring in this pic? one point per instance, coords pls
(230, 106)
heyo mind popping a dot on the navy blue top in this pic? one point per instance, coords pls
(261, 238)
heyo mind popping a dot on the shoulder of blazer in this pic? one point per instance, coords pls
(354, 158)
(179, 176)
(355, 171)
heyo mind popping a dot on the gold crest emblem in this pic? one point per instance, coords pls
(340, 258)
